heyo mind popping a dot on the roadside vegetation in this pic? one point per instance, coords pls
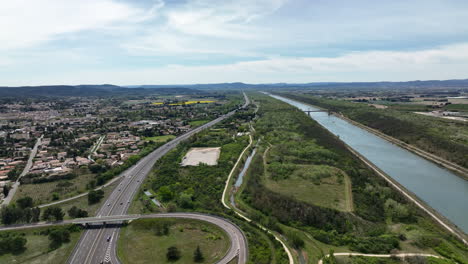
(199, 188)
(196, 188)
(38, 245)
(444, 138)
(303, 155)
(83, 179)
(172, 240)
(164, 138)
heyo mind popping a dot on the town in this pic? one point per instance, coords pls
(97, 134)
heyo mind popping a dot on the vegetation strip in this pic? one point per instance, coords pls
(402, 255)
(237, 211)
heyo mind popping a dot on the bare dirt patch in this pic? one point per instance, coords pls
(196, 156)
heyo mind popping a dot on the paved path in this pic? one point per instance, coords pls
(26, 169)
(401, 255)
(93, 246)
(225, 203)
(95, 148)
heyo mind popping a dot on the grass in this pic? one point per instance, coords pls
(313, 248)
(373, 260)
(38, 252)
(197, 123)
(315, 184)
(160, 138)
(82, 202)
(139, 244)
(457, 107)
(42, 192)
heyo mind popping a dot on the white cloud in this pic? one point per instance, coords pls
(226, 19)
(109, 36)
(26, 23)
(446, 62)
(207, 27)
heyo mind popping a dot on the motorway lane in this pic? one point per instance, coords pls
(235, 235)
(93, 245)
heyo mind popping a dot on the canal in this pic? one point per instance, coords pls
(441, 189)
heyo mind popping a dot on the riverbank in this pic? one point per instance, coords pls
(457, 169)
(371, 150)
(439, 219)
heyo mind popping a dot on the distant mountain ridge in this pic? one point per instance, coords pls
(462, 83)
(109, 89)
(87, 90)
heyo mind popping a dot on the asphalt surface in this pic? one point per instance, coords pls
(236, 236)
(93, 246)
(26, 169)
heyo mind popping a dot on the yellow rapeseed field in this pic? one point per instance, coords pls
(185, 103)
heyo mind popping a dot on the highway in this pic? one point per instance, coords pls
(235, 235)
(93, 246)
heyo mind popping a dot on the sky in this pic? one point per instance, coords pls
(133, 42)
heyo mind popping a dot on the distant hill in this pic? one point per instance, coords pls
(114, 90)
(319, 85)
(88, 90)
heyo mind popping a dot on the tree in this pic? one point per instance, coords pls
(6, 190)
(165, 193)
(185, 201)
(55, 196)
(53, 212)
(198, 255)
(58, 214)
(11, 214)
(36, 212)
(76, 212)
(173, 253)
(25, 202)
(12, 243)
(57, 237)
(95, 196)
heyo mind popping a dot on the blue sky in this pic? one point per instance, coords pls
(208, 41)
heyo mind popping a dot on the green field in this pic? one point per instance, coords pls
(197, 123)
(42, 192)
(160, 138)
(327, 192)
(374, 260)
(37, 249)
(138, 242)
(82, 202)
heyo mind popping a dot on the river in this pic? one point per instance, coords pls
(441, 189)
(240, 178)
